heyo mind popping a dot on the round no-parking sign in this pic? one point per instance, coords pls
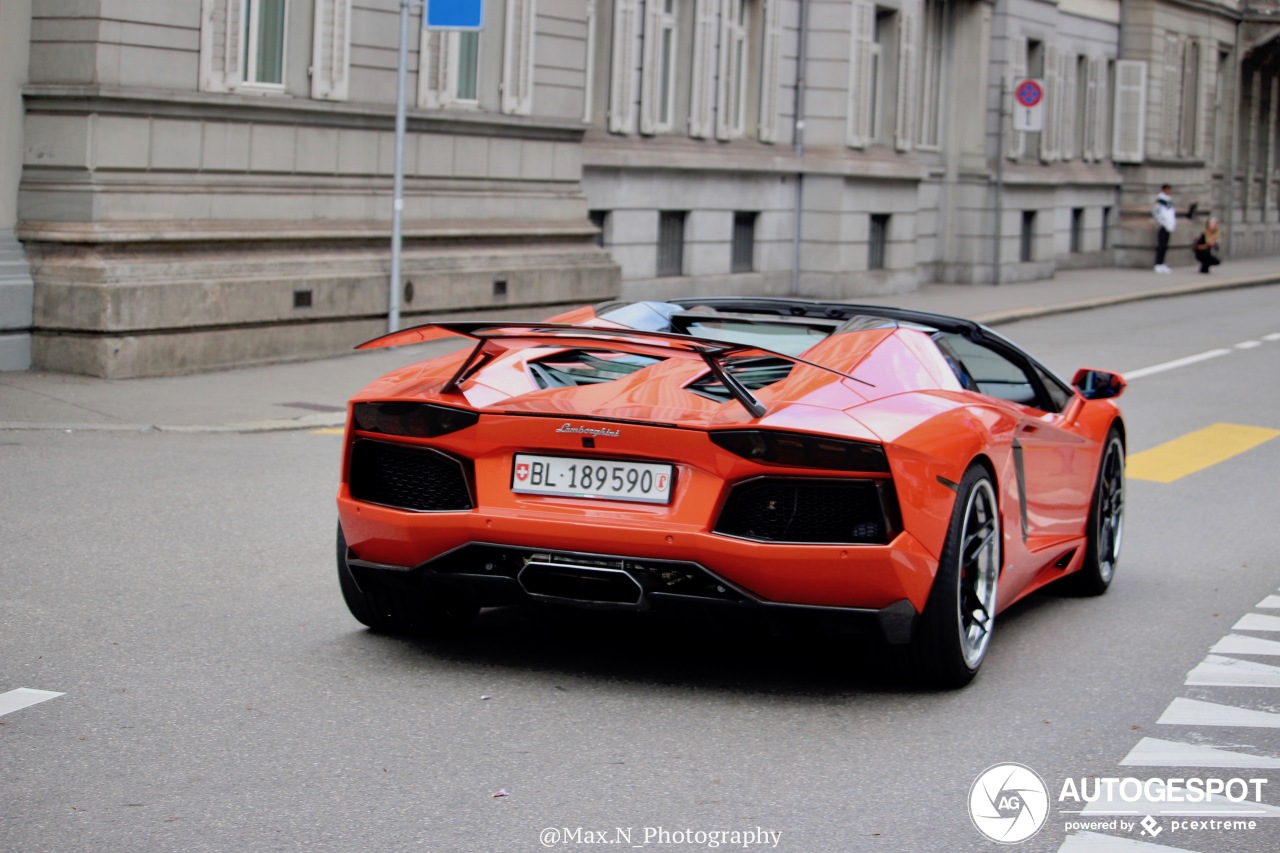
(1028, 104)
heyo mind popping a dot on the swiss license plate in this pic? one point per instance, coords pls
(607, 479)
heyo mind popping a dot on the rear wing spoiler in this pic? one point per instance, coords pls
(489, 338)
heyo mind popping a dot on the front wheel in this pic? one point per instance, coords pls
(954, 630)
(1106, 521)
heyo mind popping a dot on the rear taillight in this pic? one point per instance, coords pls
(801, 450)
(413, 420)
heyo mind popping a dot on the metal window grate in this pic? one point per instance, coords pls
(877, 241)
(671, 242)
(742, 255)
(599, 218)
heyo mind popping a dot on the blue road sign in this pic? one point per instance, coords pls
(454, 15)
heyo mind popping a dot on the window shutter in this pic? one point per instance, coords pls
(221, 45)
(1015, 141)
(331, 50)
(435, 52)
(622, 68)
(1170, 97)
(702, 91)
(904, 126)
(1052, 132)
(769, 75)
(1089, 133)
(1130, 118)
(517, 57)
(588, 85)
(1067, 106)
(858, 124)
(650, 67)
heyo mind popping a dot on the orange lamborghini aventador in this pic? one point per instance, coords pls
(867, 468)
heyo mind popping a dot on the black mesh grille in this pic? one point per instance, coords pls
(793, 510)
(407, 477)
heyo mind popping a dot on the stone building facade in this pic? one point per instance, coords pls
(205, 183)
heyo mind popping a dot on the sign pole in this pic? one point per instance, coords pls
(995, 268)
(397, 204)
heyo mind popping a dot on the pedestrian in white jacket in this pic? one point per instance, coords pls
(1166, 220)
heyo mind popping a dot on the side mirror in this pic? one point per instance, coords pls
(1098, 384)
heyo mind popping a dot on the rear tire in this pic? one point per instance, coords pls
(401, 610)
(1106, 521)
(952, 635)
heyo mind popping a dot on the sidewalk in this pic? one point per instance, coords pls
(313, 394)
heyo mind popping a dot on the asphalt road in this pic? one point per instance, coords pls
(179, 591)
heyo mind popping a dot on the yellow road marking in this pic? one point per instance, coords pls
(328, 431)
(1195, 451)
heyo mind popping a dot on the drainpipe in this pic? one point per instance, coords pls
(802, 54)
(1235, 146)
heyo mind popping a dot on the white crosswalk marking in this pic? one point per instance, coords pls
(1234, 644)
(1095, 842)
(1154, 752)
(23, 697)
(1193, 712)
(1217, 671)
(1257, 622)
(1158, 808)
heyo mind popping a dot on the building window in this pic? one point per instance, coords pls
(671, 242)
(872, 63)
(877, 241)
(1077, 230)
(1037, 61)
(742, 255)
(931, 78)
(1106, 228)
(466, 73)
(658, 70)
(264, 42)
(735, 67)
(600, 219)
(1026, 248)
(1083, 140)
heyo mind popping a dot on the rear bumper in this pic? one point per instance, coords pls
(498, 575)
(860, 582)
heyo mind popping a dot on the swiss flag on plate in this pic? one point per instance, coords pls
(522, 471)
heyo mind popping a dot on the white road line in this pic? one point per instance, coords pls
(1270, 602)
(1154, 752)
(1274, 336)
(1235, 644)
(1217, 671)
(1257, 622)
(1175, 364)
(1096, 842)
(1193, 712)
(1248, 344)
(23, 697)
(1158, 808)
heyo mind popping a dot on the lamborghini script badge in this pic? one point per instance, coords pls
(604, 432)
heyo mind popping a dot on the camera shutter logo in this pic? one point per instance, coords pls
(1008, 803)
